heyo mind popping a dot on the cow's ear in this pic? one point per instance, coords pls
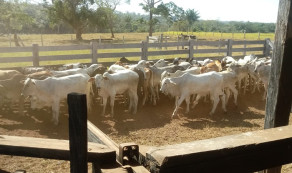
(105, 78)
(91, 79)
(171, 82)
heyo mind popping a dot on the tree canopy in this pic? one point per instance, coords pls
(85, 16)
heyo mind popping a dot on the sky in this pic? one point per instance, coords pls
(265, 11)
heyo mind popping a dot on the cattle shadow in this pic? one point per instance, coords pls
(35, 121)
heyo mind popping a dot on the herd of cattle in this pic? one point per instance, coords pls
(183, 79)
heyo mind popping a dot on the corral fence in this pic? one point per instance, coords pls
(144, 50)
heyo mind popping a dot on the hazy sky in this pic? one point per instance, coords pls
(224, 10)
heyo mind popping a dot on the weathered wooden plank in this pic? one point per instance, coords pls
(169, 44)
(211, 43)
(96, 135)
(119, 46)
(15, 49)
(248, 42)
(15, 59)
(168, 52)
(244, 152)
(65, 57)
(52, 149)
(77, 109)
(247, 49)
(210, 50)
(121, 54)
(279, 90)
(64, 48)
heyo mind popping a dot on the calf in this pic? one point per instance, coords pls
(123, 81)
(52, 90)
(186, 85)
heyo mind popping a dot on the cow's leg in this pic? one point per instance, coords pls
(245, 85)
(55, 111)
(235, 93)
(104, 102)
(181, 99)
(153, 99)
(145, 94)
(265, 93)
(222, 97)
(215, 103)
(239, 85)
(196, 101)
(112, 98)
(157, 92)
(188, 104)
(134, 100)
(227, 91)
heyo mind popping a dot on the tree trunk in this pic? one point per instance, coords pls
(150, 23)
(16, 40)
(78, 34)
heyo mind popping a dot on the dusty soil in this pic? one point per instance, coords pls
(151, 126)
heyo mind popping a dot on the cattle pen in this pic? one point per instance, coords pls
(247, 152)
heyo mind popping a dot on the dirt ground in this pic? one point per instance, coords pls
(151, 126)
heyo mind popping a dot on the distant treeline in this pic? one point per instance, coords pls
(39, 22)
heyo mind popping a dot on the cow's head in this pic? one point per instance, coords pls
(166, 85)
(29, 87)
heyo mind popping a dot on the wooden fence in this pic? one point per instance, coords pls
(191, 48)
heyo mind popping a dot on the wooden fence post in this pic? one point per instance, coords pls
(123, 39)
(93, 52)
(144, 50)
(77, 132)
(35, 55)
(191, 48)
(267, 48)
(229, 47)
(259, 36)
(279, 95)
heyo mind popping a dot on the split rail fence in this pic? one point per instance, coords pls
(189, 48)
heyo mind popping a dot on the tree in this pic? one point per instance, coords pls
(192, 16)
(108, 8)
(76, 13)
(149, 6)
(13, 18)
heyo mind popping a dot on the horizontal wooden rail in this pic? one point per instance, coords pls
(52, 149)
(246, 152)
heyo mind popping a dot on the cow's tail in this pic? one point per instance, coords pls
(89, 95)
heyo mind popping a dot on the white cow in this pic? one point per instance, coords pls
(50, 91)
(123, 81)
(263, 70)
(202, 84)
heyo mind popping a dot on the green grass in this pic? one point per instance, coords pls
(68, 39)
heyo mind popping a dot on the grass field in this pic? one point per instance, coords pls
(68, 39)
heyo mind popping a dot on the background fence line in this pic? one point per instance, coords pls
(227, 47)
